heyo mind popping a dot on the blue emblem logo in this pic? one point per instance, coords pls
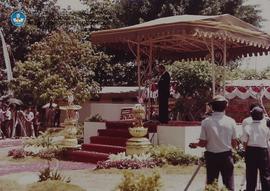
(18, 18)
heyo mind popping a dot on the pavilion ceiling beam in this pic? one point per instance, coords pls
(172, 48)
(181, 44)
(131, 49)
(166, 37)
(186, 45)
(170, 44)
(189, 38)
(193, 44)
(157, 41)
(144, 50)
(173, 45)
(176, 39)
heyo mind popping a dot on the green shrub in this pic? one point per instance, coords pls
(53, 185)
(95, 118)
(50, 174)
(139, 182)
(43, 140)
(8, 185)
(172, 155)
(214, 187)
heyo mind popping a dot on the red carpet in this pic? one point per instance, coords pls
(110, 140)
(85, 156)
(104, 140)
(114, 133)
(103, 148)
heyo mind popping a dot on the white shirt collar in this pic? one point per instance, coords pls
(257, 121)
(218, 113)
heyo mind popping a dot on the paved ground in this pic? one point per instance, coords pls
(95, 181)
(25, 171)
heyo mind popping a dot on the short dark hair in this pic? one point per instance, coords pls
(257, 113)
(219, 106)
(252, 105)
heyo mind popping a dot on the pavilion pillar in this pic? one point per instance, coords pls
(224, 65)
(148, 106)
(213, 68)
(138, 62)
(150, 60)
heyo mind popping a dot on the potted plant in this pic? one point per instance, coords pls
(138, 130)
(138, 144)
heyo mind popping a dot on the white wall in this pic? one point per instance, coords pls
(91, 129)
(180, 136)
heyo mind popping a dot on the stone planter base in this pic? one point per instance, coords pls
(137, 145)
(70, 143)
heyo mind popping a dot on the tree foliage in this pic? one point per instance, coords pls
(56, 65)
(194, 83)
(134, 12)
(42, 18)
(97, 15)
(195, 78)
(248, 74)
(116, 74)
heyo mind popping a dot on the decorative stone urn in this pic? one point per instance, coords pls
(70, 123)
(138, 144)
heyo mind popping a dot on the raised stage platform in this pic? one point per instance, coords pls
(104, 138)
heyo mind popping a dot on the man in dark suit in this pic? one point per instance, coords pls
(163, 93)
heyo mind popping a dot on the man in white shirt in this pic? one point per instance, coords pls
(248, 120)
(8, 121)
(29, 116)
(218, 136)
(256, 136)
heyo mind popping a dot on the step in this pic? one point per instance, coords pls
(106, 140)
(151, 125)
(85, 156)
(110, 149)
(123, 133)
(119, 124)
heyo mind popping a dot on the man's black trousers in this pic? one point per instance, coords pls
(220, 163)
(163, 109)
(257, 159)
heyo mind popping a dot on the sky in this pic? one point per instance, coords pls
(258, 63)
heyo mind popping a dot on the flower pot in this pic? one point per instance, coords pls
(138, 131)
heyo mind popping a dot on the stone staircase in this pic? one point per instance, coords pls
(111, 140)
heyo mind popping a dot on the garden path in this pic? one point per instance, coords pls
(9, 166)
